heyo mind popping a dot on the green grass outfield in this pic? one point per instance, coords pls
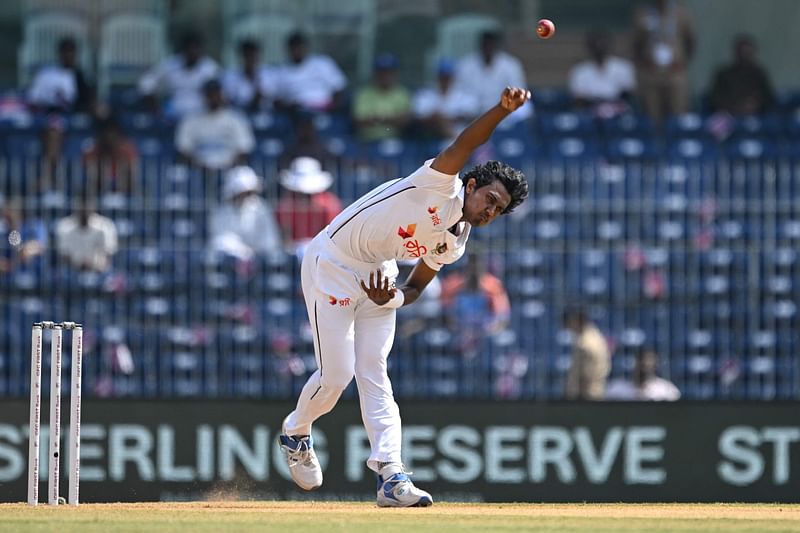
(319, 517)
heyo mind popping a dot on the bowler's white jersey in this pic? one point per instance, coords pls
(406, 218)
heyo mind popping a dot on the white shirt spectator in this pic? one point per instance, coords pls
(53, 85)
(184, 86)
(606, 82)
(311, 83)
(240, 90)
(485, 82)
(453, 104)
(245, 230)
(654, 389)
(215, 138)
(92, 245)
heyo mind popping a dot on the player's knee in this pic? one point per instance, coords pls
(336, 380)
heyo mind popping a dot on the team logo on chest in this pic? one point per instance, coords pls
(407, 232)
(435, 218)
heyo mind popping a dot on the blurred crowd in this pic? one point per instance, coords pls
(210, 108)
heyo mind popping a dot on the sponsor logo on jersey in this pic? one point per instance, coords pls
(415, 249)
(435, 218)
(342, 302)
(408, 232)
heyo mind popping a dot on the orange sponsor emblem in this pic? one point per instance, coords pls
(408, 232)
(433, 209)
(332, 300)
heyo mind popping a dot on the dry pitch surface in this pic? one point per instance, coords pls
(363, 517)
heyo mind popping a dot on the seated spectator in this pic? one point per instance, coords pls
(51, 142)
(180, 78)
(381, 109)
(742, 87)
(307, 143)
(444, 110)
(603, 81)
(217, 137)
(111, 160)
(486, 73)
(306, 206)
(663, 45)
(23, 240)
(475, 303)
(86, 240)
(251, 86)
(591, 358)
(62, 87)
(644, 383)
(244, 225)
(309, 81)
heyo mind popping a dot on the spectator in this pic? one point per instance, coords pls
(307, 143)
(645, 383)
(381, 109)
(181, 78)
(23, 241)
(252, 86)
(475, 303)
(742, 87)
(306, 206)
(111, 160)
(86, 240)
(309, 81)
(603, 80)
(51, 142)
(484, 74)
(663, 44)
(444, 110)
(217, 137)
(244, 225)
(62, 87)
(591, 358)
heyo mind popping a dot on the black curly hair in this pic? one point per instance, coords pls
(512, 179)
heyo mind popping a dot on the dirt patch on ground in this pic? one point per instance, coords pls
(646, 511)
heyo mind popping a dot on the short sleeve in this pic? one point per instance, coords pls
(150, 81)
(245, 141)
(335, 78)
(427, 178)
(626, 74)
(434, 264)
(183, 136)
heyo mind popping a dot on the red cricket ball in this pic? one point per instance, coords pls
(545, 28)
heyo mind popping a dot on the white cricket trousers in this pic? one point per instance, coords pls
(352, 337)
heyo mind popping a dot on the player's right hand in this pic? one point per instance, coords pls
(379, 293)
(513, 98)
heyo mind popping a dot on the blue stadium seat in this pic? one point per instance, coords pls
(566, 124)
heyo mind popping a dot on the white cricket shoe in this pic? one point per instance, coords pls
(303, 463)
(397, 490)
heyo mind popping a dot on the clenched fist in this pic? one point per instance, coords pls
(513, 98)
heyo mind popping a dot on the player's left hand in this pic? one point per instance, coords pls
(513, 98)
(379, 293)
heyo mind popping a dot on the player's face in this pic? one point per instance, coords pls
(483, 205)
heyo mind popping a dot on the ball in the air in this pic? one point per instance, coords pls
(545, 29)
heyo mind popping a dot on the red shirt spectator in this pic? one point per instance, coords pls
(306, 207)
(111, 160)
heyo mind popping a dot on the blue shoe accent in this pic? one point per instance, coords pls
(295, 443)
(391, 481)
